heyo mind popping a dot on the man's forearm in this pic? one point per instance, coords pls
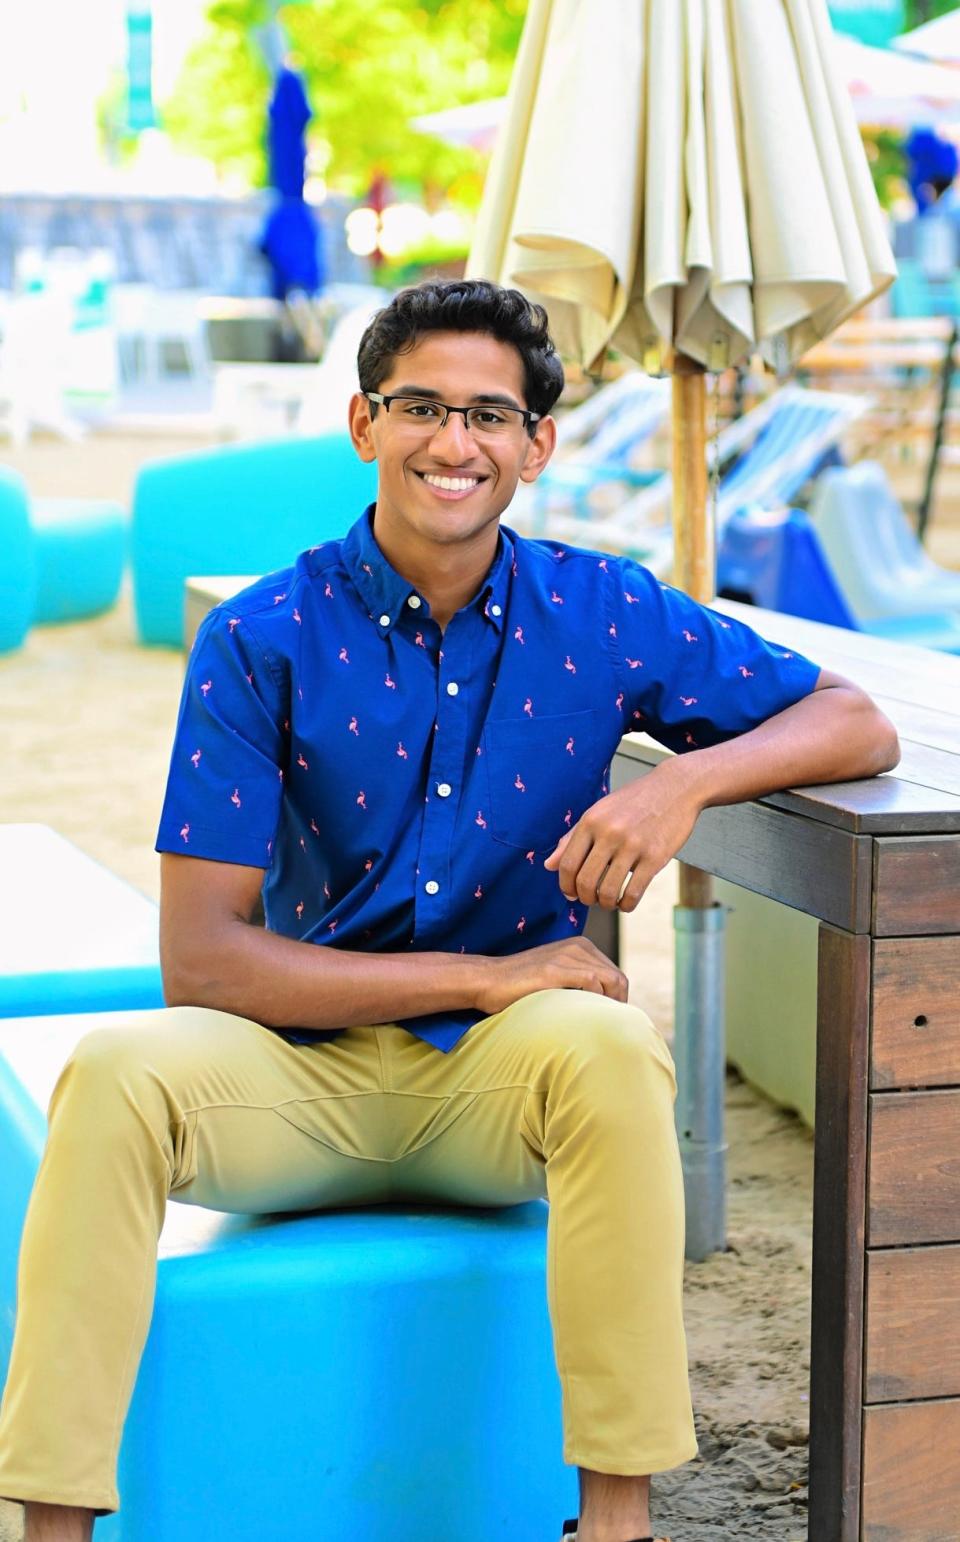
(833, 735)
(283, 983)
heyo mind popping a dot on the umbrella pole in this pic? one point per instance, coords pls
(698, 920)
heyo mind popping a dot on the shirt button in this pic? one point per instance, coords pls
(414, 602)
(495, 610)
(431, 886)
(453, 688)
(444, 789)
(384, 620)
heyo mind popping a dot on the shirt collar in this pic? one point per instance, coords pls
(386, 593)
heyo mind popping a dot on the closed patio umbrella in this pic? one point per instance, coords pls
(684, 180)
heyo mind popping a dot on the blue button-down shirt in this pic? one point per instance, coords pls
(402, 786)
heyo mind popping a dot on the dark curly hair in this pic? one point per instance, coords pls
(464, 305)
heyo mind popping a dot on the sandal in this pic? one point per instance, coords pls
(570, 1534)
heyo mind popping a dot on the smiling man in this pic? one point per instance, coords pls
(404, 741)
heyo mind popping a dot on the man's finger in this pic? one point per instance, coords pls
(575, 854)
(635, 888)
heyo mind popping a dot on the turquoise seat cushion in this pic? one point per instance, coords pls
(247, 508)
(383, 1373)
(81, 549)
(18, 563)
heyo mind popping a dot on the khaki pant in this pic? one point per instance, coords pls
(565, 1094)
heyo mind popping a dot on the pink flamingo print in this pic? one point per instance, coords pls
(567, 817)
(278, 597)
(286, 725)
(302, 763)
(518, 635)
(480, 820)
(612, 629)
(689, 739)
(603, 564)
(479, 750)
(726, 628)
(235, 798)
(637, 717)
(604, 788)
(368, 865)
(746, 673)
(206, 686)
(572, 916)
(367, 568)
(343, 656)
(631, 599)
(280, 772)
(513, 567)
(250, 677)
(362, 799)
(690, 636)
(391, 684)
(297, 617)
(634, 663)
(555, 597)
(569, 664)
(569, 746)
(233, 624)
(478, 892)
(314, 827)
(303, 844)
(419, 640)
(528, 707)
(352, 727)
(326, 889)
(689, 701)
(402, 752)
(185, 835)
(299, 910)
(332, 926)
(195, 757)
(327, 592)
(529, 856)
(520, 786)
(521, 923)
(619, 701)
(269, 847)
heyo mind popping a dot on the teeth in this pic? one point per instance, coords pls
(452, 484)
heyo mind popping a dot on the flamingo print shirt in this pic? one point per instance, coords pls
(400, 786)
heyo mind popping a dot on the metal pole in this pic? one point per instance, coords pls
(698, 1020)
(946, 381)
(699, 1056)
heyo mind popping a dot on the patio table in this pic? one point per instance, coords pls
(877, 862)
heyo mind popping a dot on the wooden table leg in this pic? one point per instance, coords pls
(839, 1207)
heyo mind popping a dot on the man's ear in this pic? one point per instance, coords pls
(360, 424)
(542, 446)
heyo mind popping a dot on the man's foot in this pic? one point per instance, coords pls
(571, 1534)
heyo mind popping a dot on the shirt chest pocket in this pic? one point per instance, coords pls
(542, 774)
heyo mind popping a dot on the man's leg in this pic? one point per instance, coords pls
(188, 1101)
(571, 1094)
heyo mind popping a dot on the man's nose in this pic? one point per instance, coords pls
(451, 441)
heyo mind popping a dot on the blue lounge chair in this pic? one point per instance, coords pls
(776, 560)
(879, 562)
(245, 508)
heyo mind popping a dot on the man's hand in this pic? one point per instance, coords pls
(628, 835)
(574, 964)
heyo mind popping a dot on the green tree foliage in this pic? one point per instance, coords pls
(370, 66)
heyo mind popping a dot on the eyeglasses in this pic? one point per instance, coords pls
(486, 420)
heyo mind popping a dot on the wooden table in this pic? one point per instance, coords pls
(878, 863)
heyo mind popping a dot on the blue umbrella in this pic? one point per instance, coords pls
(291, 236)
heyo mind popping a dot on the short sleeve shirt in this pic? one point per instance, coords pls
(401, 787)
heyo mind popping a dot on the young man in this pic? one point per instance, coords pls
(404, 741)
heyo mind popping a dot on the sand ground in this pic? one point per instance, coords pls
(89, 717)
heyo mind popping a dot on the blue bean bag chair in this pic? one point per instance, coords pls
(239, 509)
(61, 559)
(18, 561)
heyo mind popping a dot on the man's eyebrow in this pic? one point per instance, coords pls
(494, 398)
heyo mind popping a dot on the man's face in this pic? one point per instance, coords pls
(461, 369)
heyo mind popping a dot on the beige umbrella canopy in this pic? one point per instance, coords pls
(683, 175)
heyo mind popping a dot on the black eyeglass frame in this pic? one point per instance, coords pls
(401, 396)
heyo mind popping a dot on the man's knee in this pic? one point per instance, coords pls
(587, 1029)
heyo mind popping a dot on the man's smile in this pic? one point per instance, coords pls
(448, 487)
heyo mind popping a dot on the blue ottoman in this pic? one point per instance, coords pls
(81, 546)
(73, 936)
(373, 1375)
(18, 561)
(247, 508)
